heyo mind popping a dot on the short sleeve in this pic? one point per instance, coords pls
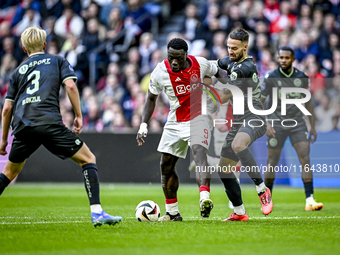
(236, 78)
(154, 86)
(208, 68)
(12, 89)
(223, 63)
(265, 87)
(66, 71)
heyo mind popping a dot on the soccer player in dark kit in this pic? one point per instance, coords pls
(246, 128)
(286, 76)
(32, 108)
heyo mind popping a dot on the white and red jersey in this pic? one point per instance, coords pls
(180, 87)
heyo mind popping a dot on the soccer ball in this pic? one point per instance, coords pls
(147, 211)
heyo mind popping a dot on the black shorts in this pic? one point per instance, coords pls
(58, 139)
(258, 130)
(299, 133)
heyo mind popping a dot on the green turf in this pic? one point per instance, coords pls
(55, 219)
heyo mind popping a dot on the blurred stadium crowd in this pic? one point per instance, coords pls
(113, 46)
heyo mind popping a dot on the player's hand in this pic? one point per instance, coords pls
(78, 125)
(142, 132)
(270, 130)
(3, 145)
(313, 135)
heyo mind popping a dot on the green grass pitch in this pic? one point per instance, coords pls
(55, 219)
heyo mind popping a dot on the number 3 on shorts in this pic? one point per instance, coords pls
(35, 82)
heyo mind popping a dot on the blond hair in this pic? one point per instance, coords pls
(33, 39)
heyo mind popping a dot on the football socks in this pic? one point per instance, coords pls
(204, 192)
(91, 182)
(171, 206)
(232, 188)
(4, 181)
(270, 187)
(248, 161)
(308, 188)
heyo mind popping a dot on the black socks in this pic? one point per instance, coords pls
(4, 181)
(232, 188)
(91, 182)
(308, 189)
(270, 187)
(249, 163)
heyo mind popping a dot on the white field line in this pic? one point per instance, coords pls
(186, 218)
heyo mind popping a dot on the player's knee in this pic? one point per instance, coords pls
(304, 159)
(273, 160)
(199, 152)
(90, 158)
(238, 146)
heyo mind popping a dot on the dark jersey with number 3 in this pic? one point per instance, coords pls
(34, 89)
(243, 75)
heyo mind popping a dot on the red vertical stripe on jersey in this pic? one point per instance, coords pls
(229, 115)
(184, 84)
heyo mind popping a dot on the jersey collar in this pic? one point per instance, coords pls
(36, 53)
(287, 75)
(244, 59)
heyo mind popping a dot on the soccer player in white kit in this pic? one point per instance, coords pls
(179, 76)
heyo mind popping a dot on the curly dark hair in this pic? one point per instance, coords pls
(239, 34)
(287, 48)
(178, 44)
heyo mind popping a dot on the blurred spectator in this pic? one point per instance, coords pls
(146, 47)
(92, 121)
(22, 8)
(112, 68)
(317, 80)
(8, 47)
(95, 34)
(69, 22)
(30, 19)
(307, 47)
(324, 113)
(76, 55)
(136, 120)
(219, 43)
(7, 67)
(106, 10)
(271, 9)
(91, 12)
(112, 88)
(114, 23)
(75, 5)
(191, 24)
(138, 19)
(155, 126)
(51, 8)
(48, 26)
(119, 123)
(286, 21)
(52, 49)
(263, 64)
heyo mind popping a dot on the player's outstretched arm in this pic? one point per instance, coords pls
(310, 108)
(148, 109)
(6, 123)
(224, 94)
(73, 94)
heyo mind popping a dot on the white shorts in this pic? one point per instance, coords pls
(177, 136)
